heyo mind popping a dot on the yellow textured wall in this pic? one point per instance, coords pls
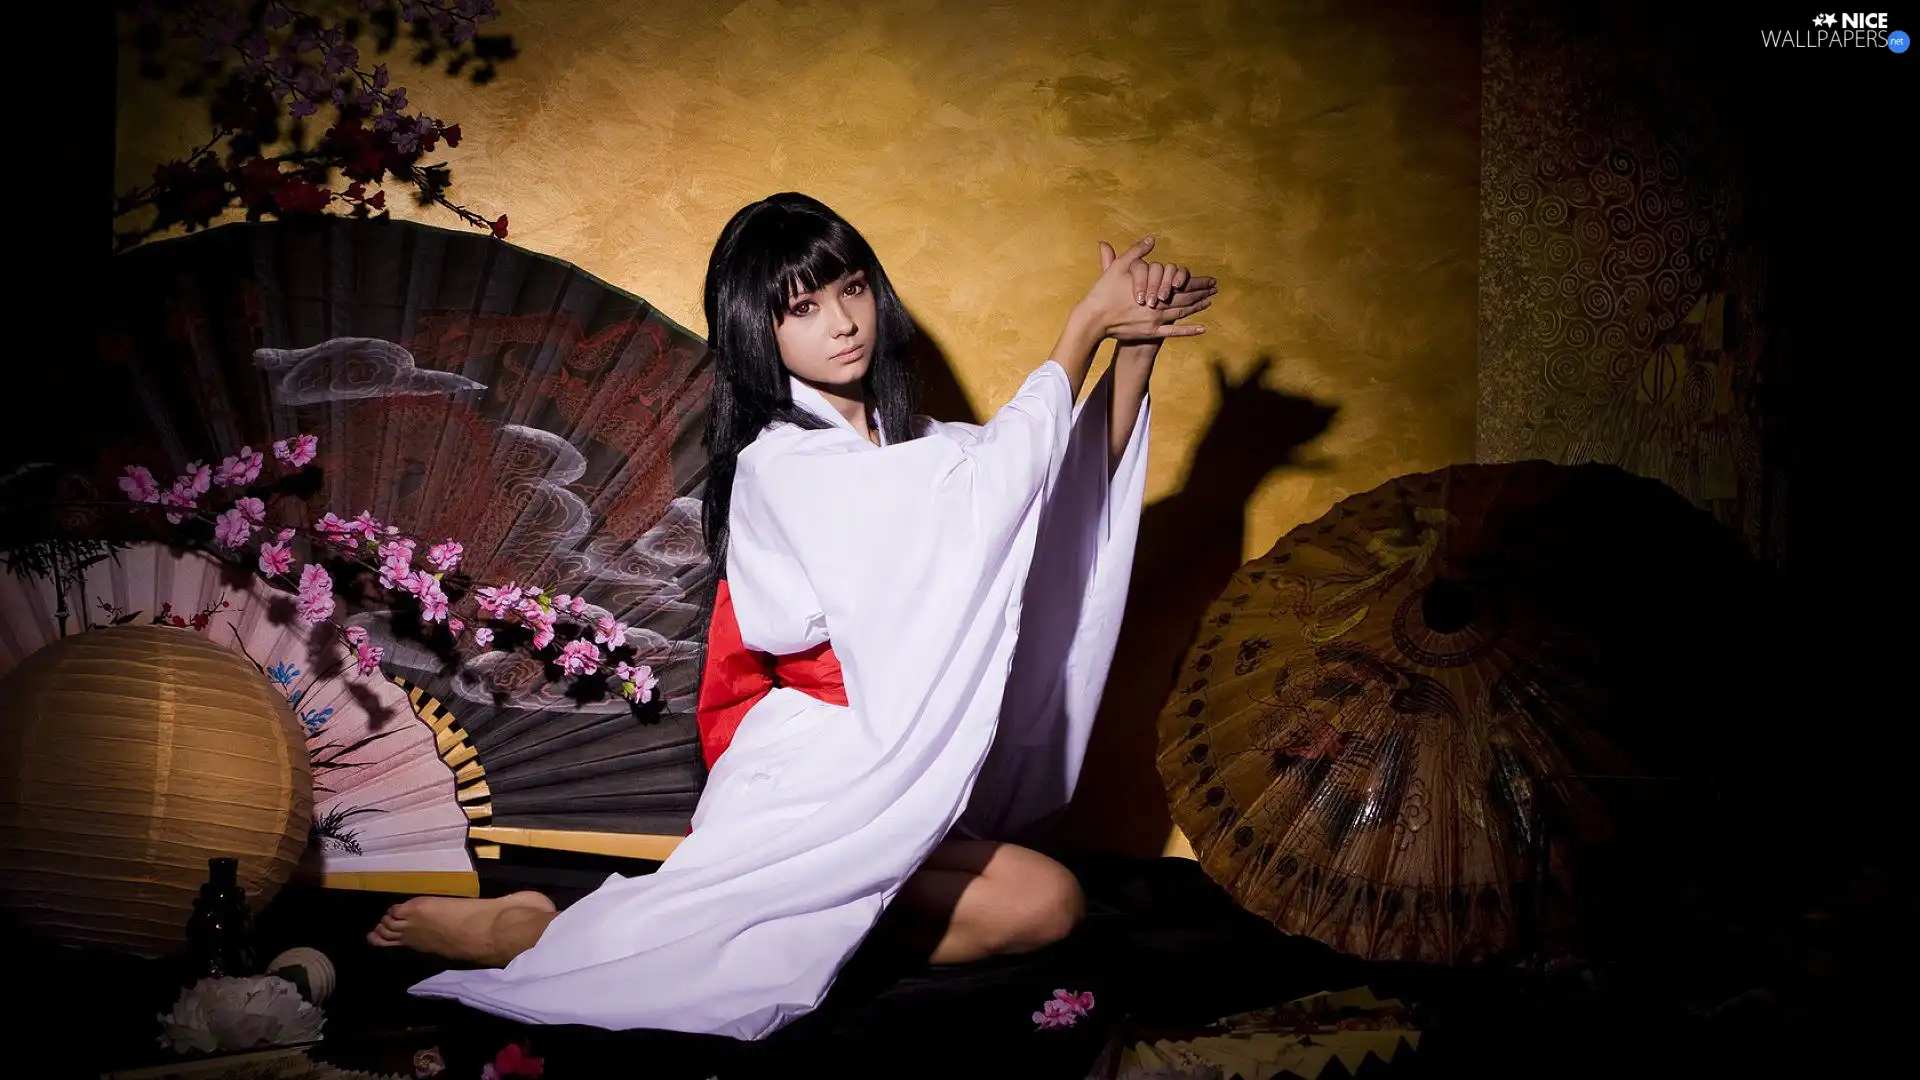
(1322, 162)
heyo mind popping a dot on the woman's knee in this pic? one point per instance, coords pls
(1047, 904)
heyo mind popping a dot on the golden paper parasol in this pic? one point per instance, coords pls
(1412, 712)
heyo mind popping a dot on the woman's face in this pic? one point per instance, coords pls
(826, 336)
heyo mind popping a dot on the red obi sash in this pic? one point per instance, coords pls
(736, 678)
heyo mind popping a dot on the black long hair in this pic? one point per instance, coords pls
(770, 250)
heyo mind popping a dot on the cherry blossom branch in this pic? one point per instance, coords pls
(313, 65)
(239, 529)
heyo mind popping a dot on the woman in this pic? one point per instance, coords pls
(920, 554)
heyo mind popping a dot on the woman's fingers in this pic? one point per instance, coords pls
(1137, 252)
(1171, 330)
(1176, 281)
(1156, 284)
(1140, 272)
(1184, 310)
(1190, 296)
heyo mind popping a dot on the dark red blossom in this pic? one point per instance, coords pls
(297, 196)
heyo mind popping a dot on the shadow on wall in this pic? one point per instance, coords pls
(940, 394)
(1191, 542)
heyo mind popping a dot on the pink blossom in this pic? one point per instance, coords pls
(561, 601)
(275, 559)
(609, 632)
(330, 524)
(198, 477)
(444, 556)
(637, 681)
(456, 624)
(140, 485)
(1064, 1010)
(366, 525)
(231, 529)
(433, 602)
(530, 609)
(356, 636)
(316, 593)
(283, 536)
(579, 657)
(400, 550)
(483, 637)
(241, 468)
(578, 605)
(297, 451)
(496, 602)
(254, 509)
(370, 658)
(396, 564)
(542, 630)
(181, 495)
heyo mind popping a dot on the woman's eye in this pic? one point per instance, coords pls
(855, 288)
(800, 308)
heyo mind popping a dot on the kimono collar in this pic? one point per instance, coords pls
(816, 403)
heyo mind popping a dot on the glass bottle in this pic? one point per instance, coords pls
(220, 933)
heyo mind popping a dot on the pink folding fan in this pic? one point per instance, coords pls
(385, 809)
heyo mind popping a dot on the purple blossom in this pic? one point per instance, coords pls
(277, 16)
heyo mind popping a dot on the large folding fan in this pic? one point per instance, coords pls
(384, 802)
(461, 389)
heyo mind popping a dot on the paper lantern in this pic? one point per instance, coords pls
(129, 757)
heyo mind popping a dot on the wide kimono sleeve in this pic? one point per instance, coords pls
(1074, 597)
(911, 558)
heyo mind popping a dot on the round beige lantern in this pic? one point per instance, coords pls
(129, 757)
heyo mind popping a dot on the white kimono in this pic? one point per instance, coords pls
(914, 560)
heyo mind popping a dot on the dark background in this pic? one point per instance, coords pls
(1824, 137)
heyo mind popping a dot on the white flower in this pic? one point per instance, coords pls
(236, 1014)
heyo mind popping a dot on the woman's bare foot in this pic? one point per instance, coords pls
(490, 932)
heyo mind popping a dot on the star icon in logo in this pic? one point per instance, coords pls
(1824, 20)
